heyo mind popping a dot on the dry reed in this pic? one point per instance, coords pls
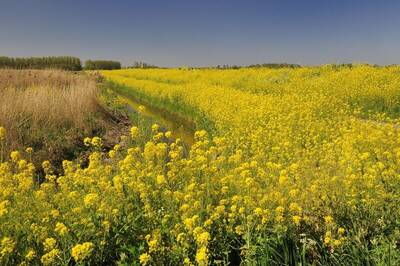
(44, 101)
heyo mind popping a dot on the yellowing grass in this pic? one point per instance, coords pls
(45, 109)
(45, 99)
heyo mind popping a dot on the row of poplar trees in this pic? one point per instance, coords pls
(56, 62)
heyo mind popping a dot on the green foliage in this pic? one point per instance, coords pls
(102, 65)
(51, 62)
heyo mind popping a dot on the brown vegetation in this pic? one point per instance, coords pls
(48, 110)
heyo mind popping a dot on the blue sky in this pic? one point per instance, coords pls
(200, 33)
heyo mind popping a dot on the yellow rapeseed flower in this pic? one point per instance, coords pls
(296, 220)
(49, 244)
(61, 229)
(87, 141)
(7, 246)
(155, 128)
(90, 199)
(161, 179)
(50, 257)
(144, 259)
(203, 238)
(134, 132)
(80, 252)
(96, 142)
(202, 256)
(30, 255)
(15, 156)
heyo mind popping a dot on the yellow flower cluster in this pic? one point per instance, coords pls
(82, 251)
(51, 257)
(61, 229)
(95, 142)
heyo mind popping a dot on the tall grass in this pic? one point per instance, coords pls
(45, 108)
(53, 78)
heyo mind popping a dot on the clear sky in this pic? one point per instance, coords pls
(204, 32)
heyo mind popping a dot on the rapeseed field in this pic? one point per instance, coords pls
(289, 167)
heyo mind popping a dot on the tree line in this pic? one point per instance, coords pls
(275, 65)
(57, 62)
(265, 65)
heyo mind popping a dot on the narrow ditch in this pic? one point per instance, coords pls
(179, 127)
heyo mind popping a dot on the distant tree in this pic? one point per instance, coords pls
(102, 65)
(138, 64)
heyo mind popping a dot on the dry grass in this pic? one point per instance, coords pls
(39, 106)
(28, 78)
